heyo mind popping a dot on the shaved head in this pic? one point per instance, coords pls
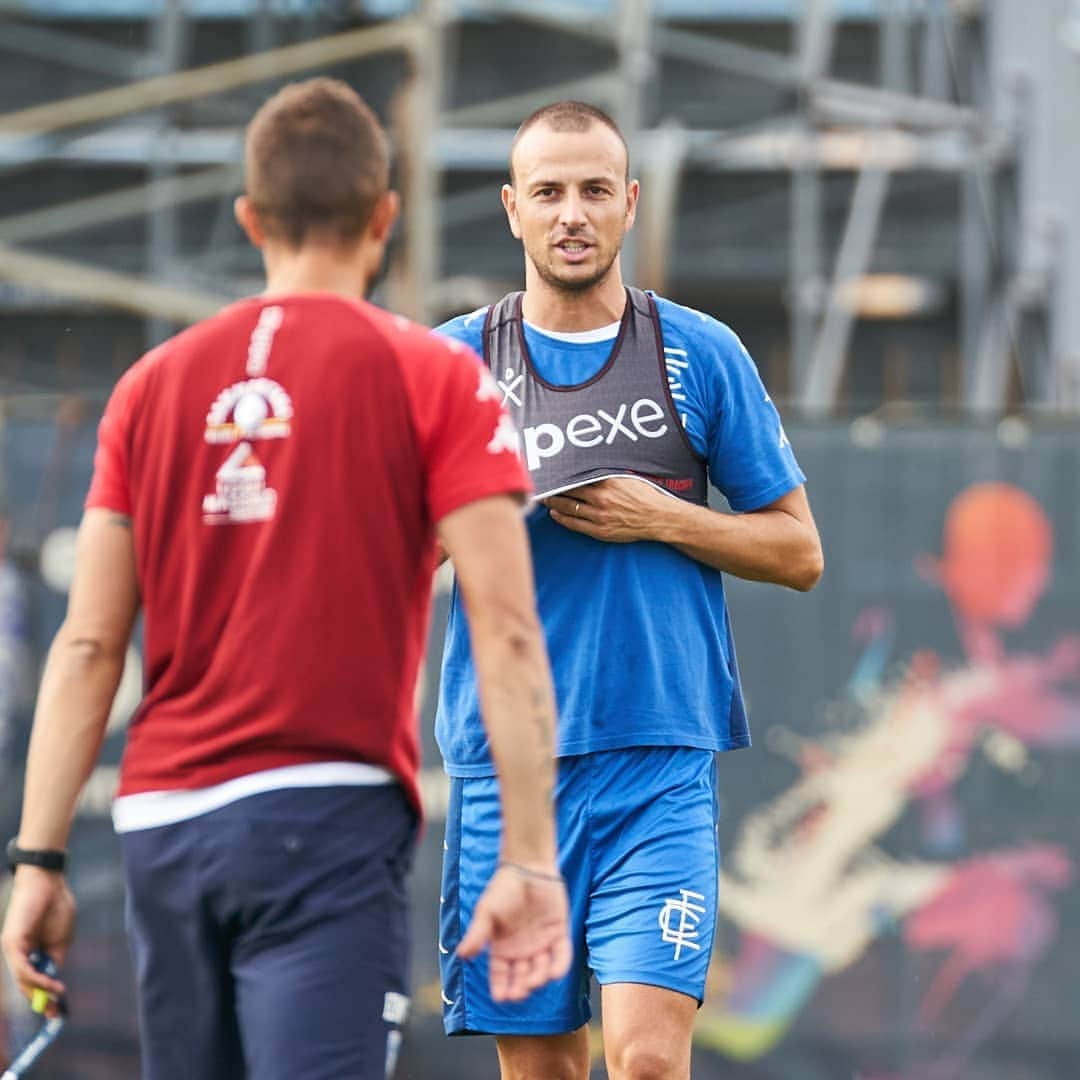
(570, 117)
(569, 201)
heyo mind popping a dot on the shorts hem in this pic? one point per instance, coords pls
(454, 1026)
(697, 992)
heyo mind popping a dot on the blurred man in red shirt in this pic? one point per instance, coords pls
(270, 487)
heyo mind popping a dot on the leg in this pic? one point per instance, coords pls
(647, 1032)
(186, 1018)
(323, 1005)
(653, 905)
(544, 1057)
(321, 951)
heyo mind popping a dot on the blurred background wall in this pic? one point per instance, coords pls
(881, 198)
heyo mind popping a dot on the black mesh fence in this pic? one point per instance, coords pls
(901, 846)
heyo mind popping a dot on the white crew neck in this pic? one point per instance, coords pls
(579, 337)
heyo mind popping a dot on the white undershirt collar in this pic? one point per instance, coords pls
(578, 337)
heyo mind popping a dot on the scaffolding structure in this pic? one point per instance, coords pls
(973, 97)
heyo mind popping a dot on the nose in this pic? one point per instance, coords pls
(572, 214)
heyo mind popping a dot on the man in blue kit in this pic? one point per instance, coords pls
(628, 405)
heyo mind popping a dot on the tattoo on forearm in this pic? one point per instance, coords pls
(545, 735)
(540, 712)
(121, 519)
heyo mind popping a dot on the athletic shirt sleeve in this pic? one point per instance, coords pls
(468, 329)
(110, 487)
(728, 413)
(468, 441)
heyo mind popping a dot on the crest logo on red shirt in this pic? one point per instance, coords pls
(252, 409)
(255, 408)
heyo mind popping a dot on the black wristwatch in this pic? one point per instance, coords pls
(43, 858)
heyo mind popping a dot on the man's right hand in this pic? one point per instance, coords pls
(40, 915)
(524, 919)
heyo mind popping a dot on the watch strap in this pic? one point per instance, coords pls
(43, 858)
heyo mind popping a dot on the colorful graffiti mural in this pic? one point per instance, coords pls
(809, 884)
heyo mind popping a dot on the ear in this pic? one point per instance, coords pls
(633, 189)
(509, 201)
(383, 216)
(248, 219)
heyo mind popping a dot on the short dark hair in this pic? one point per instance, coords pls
(316, 161)
(568, 116)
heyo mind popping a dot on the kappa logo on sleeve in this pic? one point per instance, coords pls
(506, 435)
(505, 438)
(487, 389)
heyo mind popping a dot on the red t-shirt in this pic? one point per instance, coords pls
(284, 465)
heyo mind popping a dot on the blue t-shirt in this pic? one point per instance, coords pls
(638, 634)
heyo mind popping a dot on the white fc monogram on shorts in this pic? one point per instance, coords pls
(679, 920)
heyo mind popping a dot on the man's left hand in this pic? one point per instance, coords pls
(618, 511)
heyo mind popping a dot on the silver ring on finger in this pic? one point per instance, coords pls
(577, 508)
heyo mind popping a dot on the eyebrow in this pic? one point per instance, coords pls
(593, 181)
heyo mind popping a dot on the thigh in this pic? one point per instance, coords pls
(648, 1031)
(321, 955)
(545, 1057)
(187, 1023)
(653, 905)
(471, 851)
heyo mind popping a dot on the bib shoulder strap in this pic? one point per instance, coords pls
(500, 317)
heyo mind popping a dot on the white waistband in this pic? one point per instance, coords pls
(150, 809)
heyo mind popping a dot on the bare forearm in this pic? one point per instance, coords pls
(489, 546)
(519, 715)
(77, 690)
(767, 545)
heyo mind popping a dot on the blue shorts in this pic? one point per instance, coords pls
(638, 848)
(270, 937)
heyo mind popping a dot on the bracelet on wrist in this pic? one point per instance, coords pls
(539, 875)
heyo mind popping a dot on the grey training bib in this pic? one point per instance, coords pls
(621, 422)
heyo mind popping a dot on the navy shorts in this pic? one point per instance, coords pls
(270, 937)
(638, 849)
